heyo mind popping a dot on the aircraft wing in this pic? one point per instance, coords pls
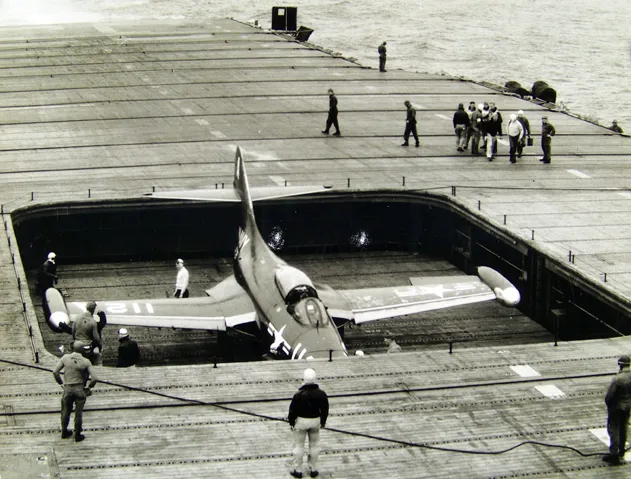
(226, 305)
(426, 294)
(231, 195)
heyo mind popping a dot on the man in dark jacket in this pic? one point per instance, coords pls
(493, 128)
(332, 118)
(308, 412)
(128, 350)
(618, 401)
(547, 132)
(526, 124)
(461, 127)
(382, 57)
(47, 276)
(410, 125)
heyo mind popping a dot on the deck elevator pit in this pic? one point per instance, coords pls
(159, 230)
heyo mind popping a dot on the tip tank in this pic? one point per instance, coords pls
(504, 290)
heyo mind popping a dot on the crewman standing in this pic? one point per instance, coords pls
(618, 401)
(78, 371)
(47, 276)
(382, 57)
(181, 281)
(515, 136)
(547, 132)
(393, 347)
(526, 124)
(461, 123)
(308, 412)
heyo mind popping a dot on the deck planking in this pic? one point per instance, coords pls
(119, 109)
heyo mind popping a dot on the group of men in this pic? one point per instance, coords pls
(481, 124)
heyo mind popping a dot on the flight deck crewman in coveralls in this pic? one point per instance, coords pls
(85, 332)
(308, 412)
(382, 57)
(78, 370)
(332, 118)
(618, 401)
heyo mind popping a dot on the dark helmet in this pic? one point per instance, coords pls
(624, 360)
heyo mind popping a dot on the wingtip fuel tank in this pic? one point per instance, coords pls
(505, 292)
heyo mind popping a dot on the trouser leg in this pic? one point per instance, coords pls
(613, 429)
(314, 446)
(489, 145)
(299, 435)
(78, 414)
(624, 426)
(66, 409)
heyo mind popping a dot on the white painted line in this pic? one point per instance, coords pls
(551, 391)
(580, 174)
(601, 435)
(104, 28)
(525, 371)
(440, 115)
(503, 142)
(202, 121)
(163, 92)
(625, 194)
(218, 134)
(370, 87)
(279, 180)
(146, 79)
(187, 111)
(418, 107)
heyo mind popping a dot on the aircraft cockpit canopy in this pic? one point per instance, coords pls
(301, 297)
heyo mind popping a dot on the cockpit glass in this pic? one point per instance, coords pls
(303, 304)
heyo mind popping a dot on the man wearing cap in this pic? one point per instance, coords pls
(382, 57)
(85, 332)
(547, 132)
(47, 273)
(515, 136)
(181, 281)
(410, 125)
(393, 347)
(78, 370)
(526, 124)
(618, 401)
(128, 350)
(308, 412)
(332, 118)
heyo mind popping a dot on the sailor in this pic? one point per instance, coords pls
(382, 57)
(308, 412)
(128, 350)
(393, 347)
(461, 123)
(47, 276)
(526, 124)
(332, 118)
(181, 281)
(615, 127)
(410, 124)
(78, 370)
(547, 132)
(85, 332)
(515, 136)
(618, 401)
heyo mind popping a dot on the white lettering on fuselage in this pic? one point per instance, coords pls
(122, 308)
(243, 240)
(280, 344)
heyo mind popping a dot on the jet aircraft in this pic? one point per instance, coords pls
(298, 315)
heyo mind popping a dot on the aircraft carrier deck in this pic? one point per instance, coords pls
(101, 113)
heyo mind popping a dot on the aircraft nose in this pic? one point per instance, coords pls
(319, 343)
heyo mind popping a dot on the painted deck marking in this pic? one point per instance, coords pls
(580, 174)
(187, 111)
(525, 371)
(418, 107)
(625, 194)
(601, 435)
(104, 28)
(440, 115)
(503, 142)
(551, 391)
(279, 180)
(202, 122)
(217, 134)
